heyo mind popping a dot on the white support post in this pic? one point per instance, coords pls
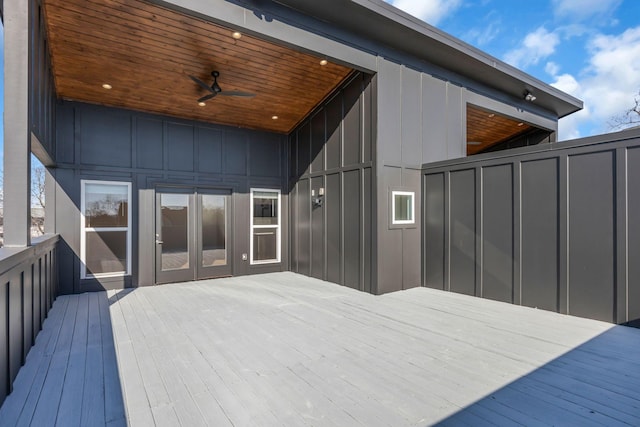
(17, 150)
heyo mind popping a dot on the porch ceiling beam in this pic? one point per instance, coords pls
(17, 150)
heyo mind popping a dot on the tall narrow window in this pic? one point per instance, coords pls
(106, 229)
(402, 206)
(265, 226)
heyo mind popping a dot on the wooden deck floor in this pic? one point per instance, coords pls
(283, 349)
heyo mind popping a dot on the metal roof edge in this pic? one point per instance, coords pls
(400, 24)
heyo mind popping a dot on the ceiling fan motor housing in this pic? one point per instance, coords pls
(215, 88)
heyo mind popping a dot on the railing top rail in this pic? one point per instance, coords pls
(11, 257)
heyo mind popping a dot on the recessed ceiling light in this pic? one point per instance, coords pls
(520, 124)
(236, 35)
(492, 115)
(274, 117)
(106, 86)
(324, 62)
(202, 104)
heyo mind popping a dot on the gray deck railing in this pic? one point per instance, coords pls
(552, 226)
(28, 287)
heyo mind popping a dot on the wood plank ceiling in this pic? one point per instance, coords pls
(146, 53)
(485, 128)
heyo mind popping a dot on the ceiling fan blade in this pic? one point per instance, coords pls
(201, 83)
(237, 93)
(206, 97)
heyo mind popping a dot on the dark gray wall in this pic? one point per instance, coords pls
(422, 118)
(101, 143)
(550, 227)
(42, 102)
(418, 115)
(333, 150)
(28, 287)
(419, 108)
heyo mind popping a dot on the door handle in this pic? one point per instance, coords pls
(159, 242)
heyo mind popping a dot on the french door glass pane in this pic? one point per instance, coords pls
(106, 252)
(175, 231)
(214, 239)
(265, 241)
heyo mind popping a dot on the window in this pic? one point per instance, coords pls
(265, 226)
(402, 206)
(106, 229)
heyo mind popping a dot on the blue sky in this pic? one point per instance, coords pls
(588, 48)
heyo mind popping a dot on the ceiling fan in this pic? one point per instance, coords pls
(216, 90)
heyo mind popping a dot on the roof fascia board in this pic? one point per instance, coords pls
(434, 33)
(407, 33)
(260, 23)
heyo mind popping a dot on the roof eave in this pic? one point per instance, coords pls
(406, 33)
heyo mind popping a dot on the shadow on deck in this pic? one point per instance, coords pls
(70, 376)
(284, 349)
(595, 384)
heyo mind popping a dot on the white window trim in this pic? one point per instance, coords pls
(412, 194)
(278, 226)
(83, 230)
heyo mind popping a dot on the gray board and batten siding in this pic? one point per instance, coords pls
(331, 153)
(419, 105)
(418, 115)
(422, 119)
(551, 226)
(417, 112)
(391, 139)
(101, 143)
(406, 118)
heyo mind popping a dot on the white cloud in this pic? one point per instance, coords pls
(607, 85)
(578, 10)
(567, 83)
(431, 11)
(568, 128)
(484, 35)
(552, 68)
(535, 47)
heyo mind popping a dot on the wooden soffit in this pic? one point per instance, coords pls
(486, 128)
(147, 52)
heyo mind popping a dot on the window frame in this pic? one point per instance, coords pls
(84, 274)
(253, 226)
(395, 221)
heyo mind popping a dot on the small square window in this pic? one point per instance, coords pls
(403, 207)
